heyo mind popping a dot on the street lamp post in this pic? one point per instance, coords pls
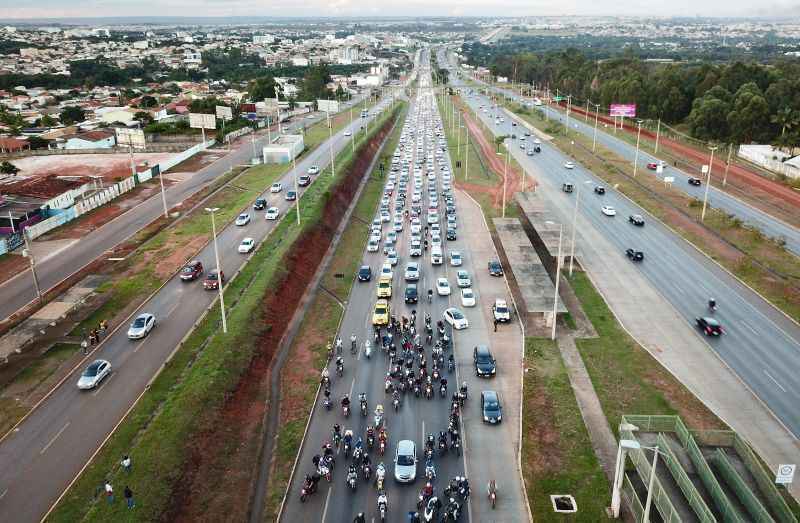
(594, 135)
(466, 155)
(636, 158)
(212, 210)
(569, 105)
(558, 276)
(330, 145)
(296, 189)
(505, 179)
(649, 501)
(574, 225)
(28, 252)
(708, 182)
(619, 473)
(352, 136)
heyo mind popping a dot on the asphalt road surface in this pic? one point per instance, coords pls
(488, 449)
(19, 291)
(760, 343)
(769, 225)
(42, 455)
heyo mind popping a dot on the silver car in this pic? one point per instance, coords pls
(94, 374)
(141, 326)
(405, 461)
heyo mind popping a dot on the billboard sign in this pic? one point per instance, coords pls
(785, 474)
(224, 113)
(131, 137)
(627, 110)
(202, 121)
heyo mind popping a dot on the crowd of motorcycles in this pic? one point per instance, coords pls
(405, 349)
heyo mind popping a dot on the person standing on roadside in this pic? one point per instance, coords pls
(109, 492)
(126, 463)
(129, 497)
(495, 324)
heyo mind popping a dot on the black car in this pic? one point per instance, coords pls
(411, 293)
(537, 149)
(491, 410)
(695, 181)
(635, 255)
(495, 269)
(709, 326)
(260, 204)
(485, 365)
(451, 234)
(636, 219)
(600, 189)
(303, 180)
(364, 273)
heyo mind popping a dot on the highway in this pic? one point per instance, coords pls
(490, 451)
(760, 343)
(41, 456)
(19, 291)
(769, 225)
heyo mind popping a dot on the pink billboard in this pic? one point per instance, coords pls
(628, 110)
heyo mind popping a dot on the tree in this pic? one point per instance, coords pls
(37, 142)
(8, 168)
(72, 114)
(45, 121)
(144, 117)
(261, 88)
(749, 117)
(315, 82)
(148, 101)
(708, 119)
(340, 94)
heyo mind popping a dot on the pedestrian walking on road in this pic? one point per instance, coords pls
(85, 346)
(495, 324)
(129, 497)
(126, 463)
(109, 492)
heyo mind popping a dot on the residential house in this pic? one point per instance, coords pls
(98, 139)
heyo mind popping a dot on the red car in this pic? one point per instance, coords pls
(652, 166)
(211, 283)
(192, 271)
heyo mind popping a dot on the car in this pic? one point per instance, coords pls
(94, 374)
(380, 315)
(599, 189)
(276, 187)
(467, 297)
(243, 219)
(709, 326)
(530, 152)
(495, 269)
(491, 411)
(260, 204)
(451, 234)
(455, 258)
(569, 165)
(247, 245)
(634, 255)
(485, 365)
(314, 169)
(192, 270)
(608, 210)
(500, 311)
(211, 283)
(652, 166)
(695, 181)
(141, 326)
(412, 293)
(462, 279)
(436, 255)
(405, 461)
(365, 273)
(412, 272)
(384, 289)
(455, 318)
(303, 180)
(272, 213)
(373, 244)
(636, 219)
(567, 187)
(290, 196)
(442, 287)
(537, 141)
(348, 133)
(386, 270)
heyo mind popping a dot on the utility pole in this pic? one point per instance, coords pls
(587, 111)
(574, 224)
(708, 182)
(163, 193)
(352, 135)
(569, 104)
(296, 189)
(558, 278)
(330, 145)
(219, 270)
(505, 180)
(466, 155)
(29, 253)
(594, 135)
(727, 165)
(636, 158)
(658, 134)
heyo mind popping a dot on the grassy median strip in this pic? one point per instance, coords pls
(557, 455)
(299, 383)
(195, 382)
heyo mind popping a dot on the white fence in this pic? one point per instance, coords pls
(237, 133)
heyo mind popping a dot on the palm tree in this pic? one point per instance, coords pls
(786, 118)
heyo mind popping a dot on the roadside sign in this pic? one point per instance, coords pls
(130, 137)
(557, 98)
(224, 112)
(704, 169)
(202, 121)
(659, 169)
(626, 110)
(785, 474)
(669, 179)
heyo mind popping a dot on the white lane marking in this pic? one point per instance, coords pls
(352, 384)
(774, 380)
(98, 389)
(325, 509)
(54, 438)
(4, 494)
(750, 327)
(139, 345)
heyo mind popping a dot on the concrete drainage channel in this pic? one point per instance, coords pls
(270, 436)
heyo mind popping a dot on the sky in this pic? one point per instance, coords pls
(10, 9)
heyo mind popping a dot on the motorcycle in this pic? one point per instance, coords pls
(443, 390)
(352, 480)
(378, 420)
(368, 350)
(382, 509)
(382, 447)
(456, 447)
(367, 471)
(327, 404)
(353, 346)
(451, 366)
(430, 472)
(396, 404)
(346, 410)
(325, 472)
(309, 487)
(387, 385)
(370, 441)
(417, 391)
(442, 447)
(364, 409)
(380, 473)
(492, 494)
(347, 447)
(428, 391)
(431, 508)
(340, 370)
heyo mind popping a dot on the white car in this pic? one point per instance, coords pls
(391, 257)
(243, 219)
(94, 374)
(247, 245)
(412, 272)
(462, 279)
(373, 245)
(455, 318)
(348, 133)
(141, 326)
(467, 297)
(272, 213)
(537, 141)
(276, 188)
(608, 210)
(569, 165)
(455, 259)
(415, 249)
(442, 287)
(386, 271)
(313, 170)
(436, 240)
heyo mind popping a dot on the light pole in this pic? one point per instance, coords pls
(163, 193)
(569, 105)
(658, 135)
(649, 501)
(466, 155)
(296, 189)
(708, 182)
(212, 210)
(558, 276)
(505, 178)
(574, 226)
(330, 145)
(28, 252)
(352, 136)
(594, 135)
(636, 158)
(727, 165)
(619, 473)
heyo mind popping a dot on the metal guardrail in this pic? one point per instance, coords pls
(732, 478)
(688, 489)
(765, 483)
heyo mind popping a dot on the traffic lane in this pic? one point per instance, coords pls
(739, 348)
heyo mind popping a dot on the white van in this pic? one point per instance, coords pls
(436, 255)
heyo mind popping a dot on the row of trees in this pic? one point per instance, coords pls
(735, 102)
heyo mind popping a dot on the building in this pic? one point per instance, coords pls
(284, 148)
(13, 145)
(300, 62)
(90, 140)
(140, 44)
(114, 114)
(263, 39)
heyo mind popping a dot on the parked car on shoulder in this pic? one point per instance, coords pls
(192, 270)
(500, 311)
(495, 269)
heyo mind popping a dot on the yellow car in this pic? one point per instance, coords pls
(381, 314)
(385, 287)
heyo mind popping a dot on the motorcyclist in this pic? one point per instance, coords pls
(430, 295)
(363, 399)
(348, 437)
(339, 364)
(427, 491)
(463, 389)
(430, 469)
(383, 500)
(352, 474)
(383, 435)
(345, 401)
(338, 345)
(367, 348)
(370, 435)
(360, 518)
(712, 303)
(325, 373)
